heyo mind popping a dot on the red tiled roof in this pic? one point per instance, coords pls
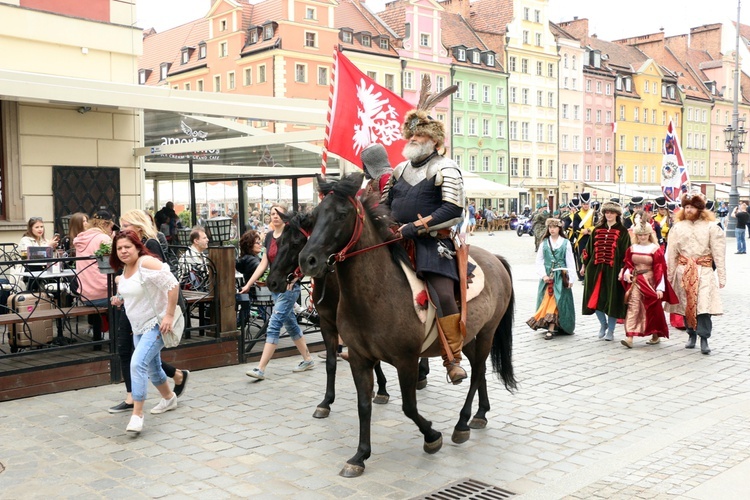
(491, 16)
(619, 56)
(268, 10)
(559, 32)
(165, 48)
(457, 31)
(394, 16)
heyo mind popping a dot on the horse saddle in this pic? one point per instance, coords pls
(423, 306)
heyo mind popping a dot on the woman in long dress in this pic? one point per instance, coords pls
(644, 275)
(555, 266)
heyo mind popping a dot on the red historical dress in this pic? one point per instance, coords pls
(645, 314)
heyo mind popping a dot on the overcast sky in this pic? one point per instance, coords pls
(608, 19)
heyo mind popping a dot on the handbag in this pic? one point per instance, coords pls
(174, 335)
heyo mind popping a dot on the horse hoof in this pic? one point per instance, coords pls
(478, 423)
(460, 436)
(434, 446)
(421, 384)
(350, 470)
(321, 412)
(381, 399)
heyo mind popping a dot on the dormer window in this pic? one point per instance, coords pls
(476, 57)
(252, 36)
(185, 55)
(618, 83)
(268, 32)
(365, 40)
(164, 71)
(143, 75)
(490, 60)
(346, 36)
(628, 84)
(424, 40)
(461, 54)
(383, 43)
(202, 50)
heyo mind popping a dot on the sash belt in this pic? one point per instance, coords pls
(691, 283)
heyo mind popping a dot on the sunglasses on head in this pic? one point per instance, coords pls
(36, 219)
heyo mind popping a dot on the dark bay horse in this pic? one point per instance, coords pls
(325, 297)
(377, 320)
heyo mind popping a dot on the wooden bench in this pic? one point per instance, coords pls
(47, 314)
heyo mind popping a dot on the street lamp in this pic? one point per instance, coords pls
(619, 171)
(734, 136)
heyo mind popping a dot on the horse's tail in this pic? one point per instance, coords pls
(502, 342)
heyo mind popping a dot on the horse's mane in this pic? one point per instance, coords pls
(380, 216)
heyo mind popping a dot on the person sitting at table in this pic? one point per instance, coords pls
(76, 225)
(92, 285)
(34, 236)
(193, 271)
(250, 250)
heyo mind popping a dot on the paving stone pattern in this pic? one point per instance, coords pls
(591, 419)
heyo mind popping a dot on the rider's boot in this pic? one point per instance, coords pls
(452, 330)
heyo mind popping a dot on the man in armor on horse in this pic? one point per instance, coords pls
(426, 196)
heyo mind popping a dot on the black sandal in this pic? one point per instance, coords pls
(549, 335)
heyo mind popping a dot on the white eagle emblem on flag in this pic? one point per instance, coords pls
(378, 119)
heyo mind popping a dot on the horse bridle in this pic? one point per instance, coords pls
(297, 273)
(359, 225)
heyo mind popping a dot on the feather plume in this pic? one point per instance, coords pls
(424, 92)
(433, 99)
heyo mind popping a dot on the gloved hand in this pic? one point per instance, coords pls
(409, 231)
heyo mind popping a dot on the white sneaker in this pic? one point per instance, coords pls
(135, 424)
(165, 405)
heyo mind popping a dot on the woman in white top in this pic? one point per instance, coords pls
(556, 269)
(149, 291)
(34, 236)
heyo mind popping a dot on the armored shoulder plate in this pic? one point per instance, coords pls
(448, 177)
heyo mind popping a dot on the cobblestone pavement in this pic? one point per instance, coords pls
(591, 419)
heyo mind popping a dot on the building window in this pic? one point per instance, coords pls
(526, 167)
(565, 111)
(461, 54)
(608, 117)
(588, 143)
(390, 82)
(163, 71)
(576, 143)
(311, 39)
(223, 25)
(500, 96)
(409, 80)
(501, 129)
(524, 65)
(424, 39)
(248, 76)
(622, 143)
(598, 145)
(472, 92)
(537, 16)
(323, 75)
(636, 114)
(539, 98)
(501, 164)
(253, 36)
(202, 50)
(564, 142)
(514, 167)
(486, 94)
(383, 43)
(550, 133)
(525, 96)
(526, 14)
(457, 125)
(459, 90)
(439, 83)
(588, 114)
(636, 143)
(608, 89)
(230, 81)
(550, 70)
(365, 40)
(185, 56)
(511, 63)
(513, 131)
(550, 99)
(575, 172)
(223, 49)
(564, 172)
(310, 13)
(576, 111)
(472, 126)
(346, 36)
(490, 60)
(608, 145)
(472, 163)
(622, 113)
(458, 160)
(485, 164)
(142, 77)
(524, 131)
(588, 173)
(598, 116)
(550, 168)
(598, 173)
(217, 83)
(372, 75)
(486, 127)
(525, 36)
(538, 39)
(540, 168)
(268, 32)
(199, 85)
(262, 73)
(512, 91)
(300, 73)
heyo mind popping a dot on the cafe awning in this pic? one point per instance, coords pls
(479, 187)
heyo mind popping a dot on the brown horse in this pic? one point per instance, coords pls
(325, 297)
(377, 320)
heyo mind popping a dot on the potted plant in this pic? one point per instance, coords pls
(102, 258)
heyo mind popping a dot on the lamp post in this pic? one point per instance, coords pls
(619, 171)
(219, 229)
(735, 134)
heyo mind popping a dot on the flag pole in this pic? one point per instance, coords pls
(324, 156)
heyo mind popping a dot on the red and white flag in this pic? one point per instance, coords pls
(361, 113)
(675, 179)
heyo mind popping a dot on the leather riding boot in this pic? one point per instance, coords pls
(452, 330)
(691, 341)
(704, 346)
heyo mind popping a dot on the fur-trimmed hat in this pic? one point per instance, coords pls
(611, 206)
(551, 221)
(697, 200)
(660, 202)
(585, 198)
(375, 160)
(418, 122)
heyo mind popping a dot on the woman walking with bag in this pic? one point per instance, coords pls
(149, 292)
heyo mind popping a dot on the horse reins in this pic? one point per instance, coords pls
(297, 273)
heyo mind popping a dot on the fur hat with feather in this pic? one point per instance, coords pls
(419, 122)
